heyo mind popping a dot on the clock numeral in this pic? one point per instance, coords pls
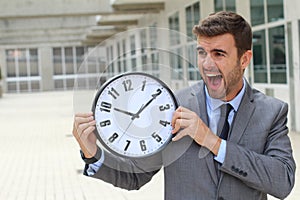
(158, 92)
(113, 92)
(163, 108)
(156, 137)
(127, 145)
(164, 123)
(143, 145)
(113, 137)
(144, 84)
(127, 85)
(105, 123)
(105, 106)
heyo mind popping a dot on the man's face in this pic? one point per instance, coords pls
(220, 67)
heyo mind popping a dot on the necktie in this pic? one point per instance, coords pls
(225, 129)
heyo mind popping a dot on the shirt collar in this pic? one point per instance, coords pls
(216, 103)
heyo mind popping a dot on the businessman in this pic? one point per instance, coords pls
(231, 141)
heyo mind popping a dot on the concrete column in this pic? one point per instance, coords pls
(206, 7)
(46, 66)
(3, 69)
(295, 82)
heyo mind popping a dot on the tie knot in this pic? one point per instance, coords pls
(228, 109)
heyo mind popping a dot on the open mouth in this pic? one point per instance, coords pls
(214, 80)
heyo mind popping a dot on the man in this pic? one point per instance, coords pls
(243, 152)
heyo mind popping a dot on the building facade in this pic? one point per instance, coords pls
(45, 48)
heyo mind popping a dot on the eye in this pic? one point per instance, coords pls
(218, 54)
(202, 53)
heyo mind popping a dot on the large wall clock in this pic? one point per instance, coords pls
(133, 113)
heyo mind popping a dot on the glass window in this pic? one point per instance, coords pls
(133, 63)
(23, 86)
(92, 64)
(143, 38)
(132, 45)
(192, 62)
(218, 5)
(59, 84)
(192, 18)
(153, 36)
(119, 57)
(257, 12)
(34, 65)
(10, 62)
(144, 59)
(174, 25)
(69, 60)
(12, 86)
(228, 5)
(176, 63)
(57, 61)
(111, 58)
(259, 57)
(124, 54)
(277, 55)
(189, 20)
(154, 57)
(35, 85)
(70, 83)
(22, 64)
(275, 10)
(79, 56)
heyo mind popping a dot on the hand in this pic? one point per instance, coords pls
(83, 127)
(190, 124)
(137, 115)
(125, 112)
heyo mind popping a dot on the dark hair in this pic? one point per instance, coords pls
(227, 22)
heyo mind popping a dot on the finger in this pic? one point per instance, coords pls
(183, 109)
(176, 127)
(179, 135)
(180, 123)
(88, 114)
(87, 132)
(176, 115)
(82, 127)
(80, 120)
(182, 113)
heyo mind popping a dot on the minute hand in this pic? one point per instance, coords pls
(137, 115)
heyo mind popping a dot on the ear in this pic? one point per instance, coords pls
(245, 59)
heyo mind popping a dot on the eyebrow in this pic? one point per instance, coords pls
(214, 50)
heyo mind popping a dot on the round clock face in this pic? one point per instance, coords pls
(133, 114)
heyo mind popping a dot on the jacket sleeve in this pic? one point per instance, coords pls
(126, 173)
(270, 169)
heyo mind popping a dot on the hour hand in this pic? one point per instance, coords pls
(125, 112)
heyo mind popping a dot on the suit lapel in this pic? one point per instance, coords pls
(198, 103)
(242, 119)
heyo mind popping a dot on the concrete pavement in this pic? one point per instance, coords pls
(40, 158)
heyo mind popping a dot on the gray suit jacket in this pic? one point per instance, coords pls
(258, 159)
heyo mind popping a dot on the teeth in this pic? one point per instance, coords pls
(213, 75)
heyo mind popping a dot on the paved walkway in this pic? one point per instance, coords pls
(40, 158)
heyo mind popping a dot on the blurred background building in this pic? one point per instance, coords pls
(43, 43)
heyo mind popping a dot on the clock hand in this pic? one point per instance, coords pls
(137, 115)
(125, 112)
(125, 130)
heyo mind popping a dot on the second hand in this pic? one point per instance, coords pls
(132, 119)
